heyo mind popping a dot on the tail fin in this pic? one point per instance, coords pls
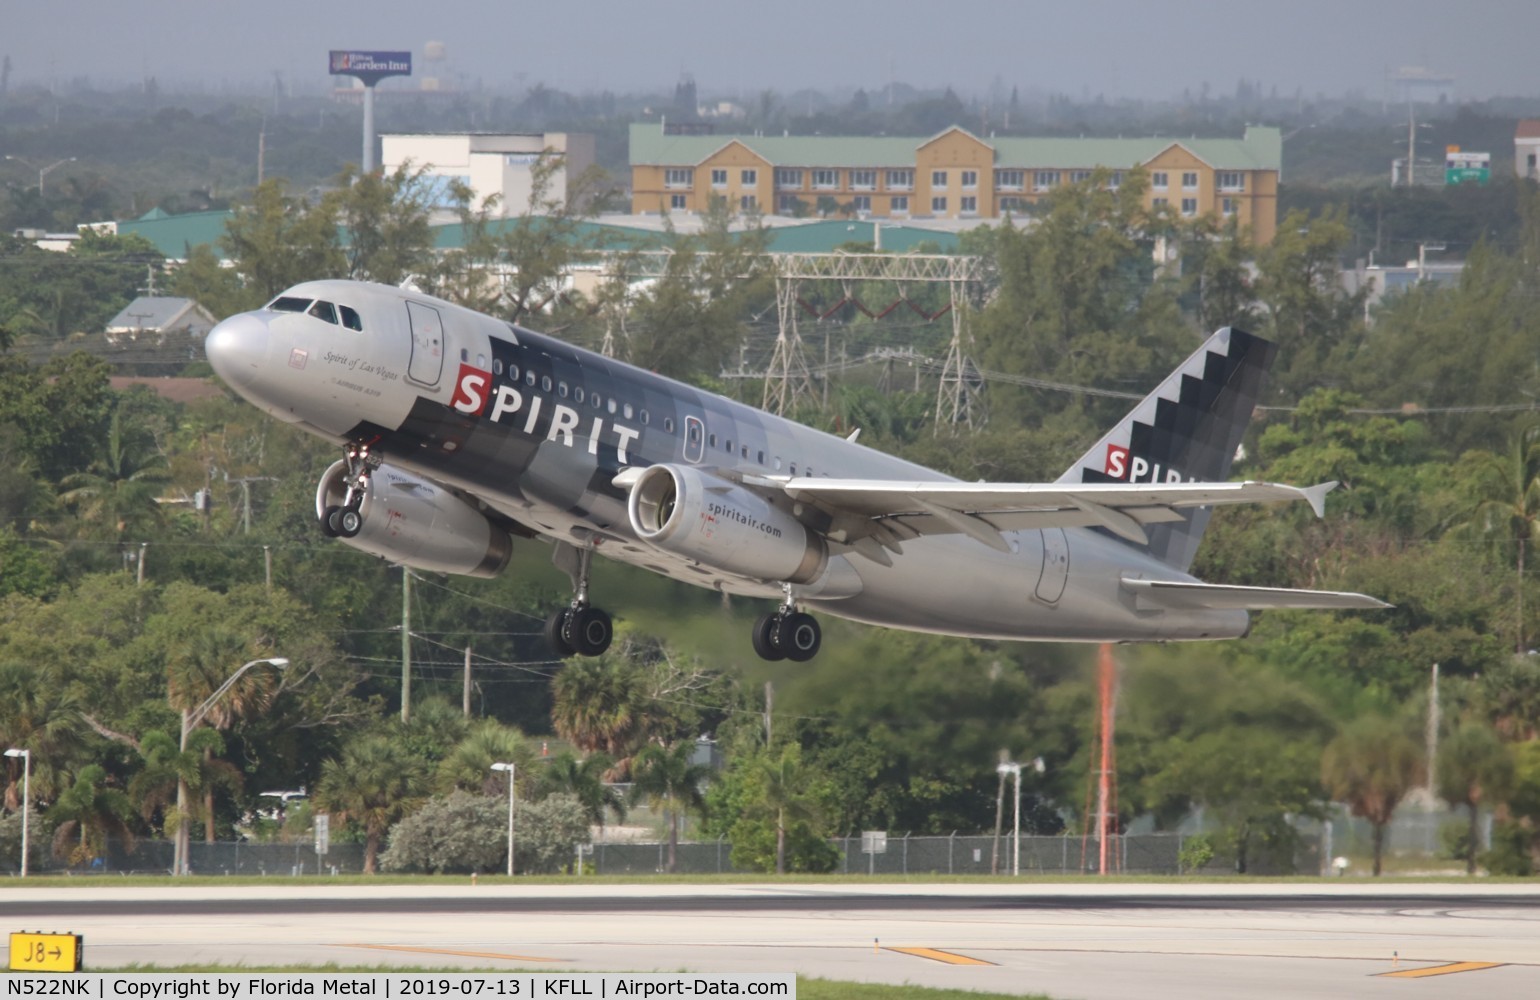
(1187, 430)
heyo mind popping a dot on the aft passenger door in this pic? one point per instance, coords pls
(1050, 584)
(426, 364)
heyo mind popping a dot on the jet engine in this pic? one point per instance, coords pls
(690, 513)
(411, 520)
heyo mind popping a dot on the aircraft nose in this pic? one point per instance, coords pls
(237, 348)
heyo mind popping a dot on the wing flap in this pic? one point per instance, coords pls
(1182, 595)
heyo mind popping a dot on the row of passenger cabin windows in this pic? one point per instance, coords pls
(320, 309)
(743, 452)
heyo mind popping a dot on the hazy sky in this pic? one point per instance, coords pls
(1121, 48)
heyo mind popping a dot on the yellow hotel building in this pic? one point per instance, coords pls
(953, 175)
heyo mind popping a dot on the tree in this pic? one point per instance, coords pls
(786, 796)
(668, 778)
(549, 832)
(1506, 500)
(373, 782)
(597, 704)
(1370, 766)
(566, 774)
(1473, 767)
(385, 219)
(469, 765)
(88, 815)
(460, 832)
(120, 492)
(277, 241)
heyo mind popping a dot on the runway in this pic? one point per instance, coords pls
(1069, 940)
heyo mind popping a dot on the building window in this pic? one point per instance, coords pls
(718, 177)
(1011, 203)
(825, 180)
(970, 205)
(1043, 180)
(676, 201)
(1159, 181)
(788, 179)
(1079, 176)
(970, 179)
(748, 177)
(1010, 180)
(862, 203)
(1116, 181)
(787, 204)
(1227, 206)
(1159, 203)
(1189, 180)
(900, 180)
(1189, 206)
(863, 180)
(1232, 180)
(938, 179)
(747, 203)
(938, 205)
(899, 205)
(679, 177)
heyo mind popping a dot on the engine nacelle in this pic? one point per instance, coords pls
(687, 512)
(408, 519)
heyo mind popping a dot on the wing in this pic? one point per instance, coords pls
(1188, 596)
(869, 515)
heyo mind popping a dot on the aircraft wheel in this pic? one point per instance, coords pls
(328, 526)
(555, 633)
(348, 522)
(799, 636)
(588, 631)
(764, 637)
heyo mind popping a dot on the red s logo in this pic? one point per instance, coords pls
(471, 390)
(1117, 461)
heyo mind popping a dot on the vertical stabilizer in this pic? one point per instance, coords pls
(1187, 430)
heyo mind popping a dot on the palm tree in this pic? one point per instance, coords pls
(469, 764)
(40, 712)
(1370, 766)
(583, 779)
(119, 492)
(1507, 507)
(597, 704)
(669, 779)
(786, 795)
(154, 787)
(88, 815)
(1473, 767)
(374, 783)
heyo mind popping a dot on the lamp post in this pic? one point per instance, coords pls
(1013, 769)
(512, 769)
(26, 799)
(43, 173)
(190, 718)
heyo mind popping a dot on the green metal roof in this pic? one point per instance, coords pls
(451, 236)
(1260, 149)
(828, 235)
(173, 234)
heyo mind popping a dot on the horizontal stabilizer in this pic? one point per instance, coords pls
(1181, 595)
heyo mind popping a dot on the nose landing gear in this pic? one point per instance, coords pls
(345, 520)
(787, 634)
(580, 628)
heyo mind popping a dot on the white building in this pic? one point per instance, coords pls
(1526, 149)
(489, 164)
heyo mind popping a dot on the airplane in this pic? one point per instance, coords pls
(461, 431)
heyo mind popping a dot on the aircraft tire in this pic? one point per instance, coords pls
(555, 633)
(348, 522)
(764, 637)
(327, 527)
(799, 637)
(588, 631)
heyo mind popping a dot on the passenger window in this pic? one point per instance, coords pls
(644, 418)
(628, 411)
(713, 440)
(668, 424)
(777, 463)
(596, 400)
(794, 468)
(577, 394)
(761, 458)
(611, 406)
(545, 382)
(728, 447)
(287, 304)
(745, 451)
(561, 389)
(529, 378)
(513, 373)
(497, 366)
(464, 354)
(350, 319)
(324, 310)
(481, 361)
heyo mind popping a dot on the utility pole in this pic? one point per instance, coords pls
(406, 643)
(267, 565)
(466, 697)
(769, 709)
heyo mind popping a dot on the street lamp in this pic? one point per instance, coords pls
(512, 769)
(190, 718)
(1013, 769)
(26, 799)
(44, 172)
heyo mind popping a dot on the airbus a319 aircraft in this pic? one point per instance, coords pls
(460, 431)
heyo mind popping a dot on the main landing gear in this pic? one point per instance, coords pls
(786, 633)
(346, 519)
(580, 628)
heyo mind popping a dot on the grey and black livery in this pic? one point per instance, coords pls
(460, 431)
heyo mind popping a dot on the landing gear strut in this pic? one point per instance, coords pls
(580, 628)
(786, 633)
(346, 519)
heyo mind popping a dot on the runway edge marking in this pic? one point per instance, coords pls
(1441, 970)
(451, 951)
(936, 955)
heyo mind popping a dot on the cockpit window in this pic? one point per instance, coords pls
(324, 310)
(350, 319)
(289, 304)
